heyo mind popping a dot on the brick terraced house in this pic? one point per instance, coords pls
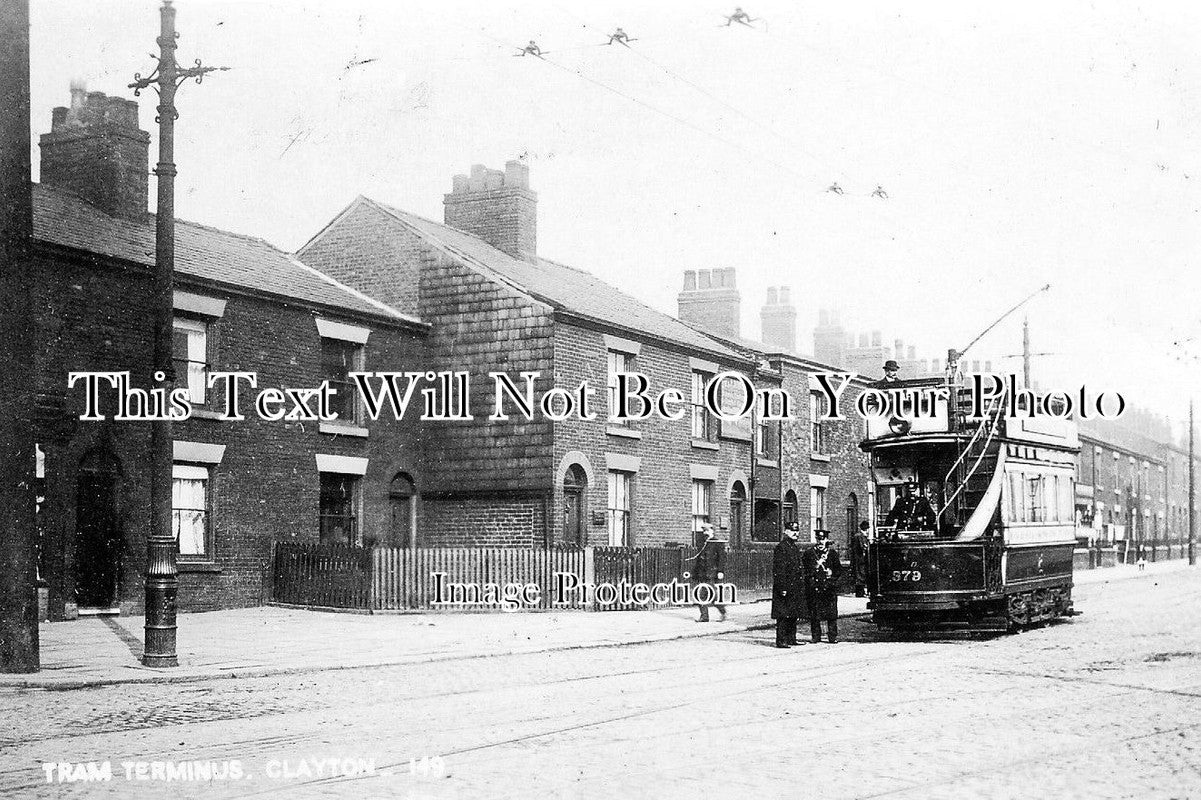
(494, 305)
(240, 304)
(806, 469)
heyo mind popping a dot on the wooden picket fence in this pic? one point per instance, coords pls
(398, 579)
(328, 576)
(403, 579)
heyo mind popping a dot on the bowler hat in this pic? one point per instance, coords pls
(890, 364)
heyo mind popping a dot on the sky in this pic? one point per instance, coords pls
(1019, 144)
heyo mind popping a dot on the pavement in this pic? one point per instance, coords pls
(103, 651)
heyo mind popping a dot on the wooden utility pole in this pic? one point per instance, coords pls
(18, 533)
(162, 579)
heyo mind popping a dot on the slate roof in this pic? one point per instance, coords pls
(558, 285)
(208, 254)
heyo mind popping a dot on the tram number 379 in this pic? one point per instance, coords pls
(901, 575)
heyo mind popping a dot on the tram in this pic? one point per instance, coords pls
(975, 511)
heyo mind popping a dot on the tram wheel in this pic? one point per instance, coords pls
(1019, 612)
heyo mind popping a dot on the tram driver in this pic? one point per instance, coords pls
(912, 511)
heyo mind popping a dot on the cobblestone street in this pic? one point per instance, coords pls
(1103, 706)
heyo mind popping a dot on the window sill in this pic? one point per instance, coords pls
(206, 413)
(342, 429)
(819, 457)
(197, 566)
(701, 444)
(624, 433)
(768, 462)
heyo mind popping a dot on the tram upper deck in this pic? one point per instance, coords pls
(982, 470)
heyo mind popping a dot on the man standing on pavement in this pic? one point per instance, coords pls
(709, 567)
(822, 569)
(858, 555)
(787, 587)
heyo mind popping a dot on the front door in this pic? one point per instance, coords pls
(97, 540)
(573, 513)
(736, 523)
(401, 527)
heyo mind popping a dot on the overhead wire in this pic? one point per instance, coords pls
(760, 124)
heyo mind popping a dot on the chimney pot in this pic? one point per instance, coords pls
(912, 353)
(785, 295)
(517, 175)
(704, 279)
(690, 280)
(772, 296)
(877, 338)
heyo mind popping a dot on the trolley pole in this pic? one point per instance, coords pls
(162, 577)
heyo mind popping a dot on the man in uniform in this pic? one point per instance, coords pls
(822, 570)
(709, 566)
(787, 587)
(912, 511)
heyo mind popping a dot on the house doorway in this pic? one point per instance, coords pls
(575, 482)
(402, 505)
(737, 502)
(98, 539)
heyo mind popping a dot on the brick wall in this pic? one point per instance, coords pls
(662, 488)
(367, 249)
(266, 487)
(84, 317)
(490, 521)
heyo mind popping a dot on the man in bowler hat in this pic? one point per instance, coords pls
(891, 368)
(787, 587)
(821, 569)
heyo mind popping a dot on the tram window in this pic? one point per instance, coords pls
(1053, 499)
(1034, 490)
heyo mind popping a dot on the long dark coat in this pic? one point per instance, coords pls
(709, 562)
(787, 582)
(821, 583)
(858, 554)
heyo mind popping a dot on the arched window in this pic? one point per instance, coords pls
(790, 513)
(575, 490)
(402, 505)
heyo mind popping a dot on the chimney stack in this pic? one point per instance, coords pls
(496, 206)
(778, 319)
(711, 301)
(96, 150)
